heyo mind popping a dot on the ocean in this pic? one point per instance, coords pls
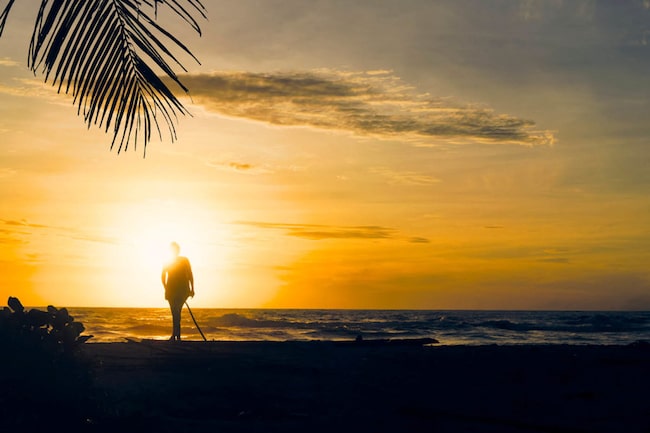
(448, 327)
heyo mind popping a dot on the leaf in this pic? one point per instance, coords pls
(4, 15)
(109, 54)
(15, 305)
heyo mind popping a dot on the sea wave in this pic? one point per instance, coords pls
(596, 323)
(449, 327)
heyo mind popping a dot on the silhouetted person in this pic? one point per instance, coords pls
(179, 284)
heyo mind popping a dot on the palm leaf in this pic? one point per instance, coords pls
(106, 54)
(5, 14)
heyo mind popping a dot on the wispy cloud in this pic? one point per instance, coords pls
(17, 232)
(6, 61)
(23, 223)
(559, 260)
(10, 237)
(396, 177)
(374, 103)
(537, 10)
(239, 167)
(34, 88)
(319, 232)
(12, 229)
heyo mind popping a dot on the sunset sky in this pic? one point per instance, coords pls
(447, 154)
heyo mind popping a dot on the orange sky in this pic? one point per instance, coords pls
(445, 156)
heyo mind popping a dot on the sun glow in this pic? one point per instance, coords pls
(144, 247)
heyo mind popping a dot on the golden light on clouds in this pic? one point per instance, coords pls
(375, 103)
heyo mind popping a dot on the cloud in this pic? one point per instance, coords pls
(538, 10)
(23, 223)
(95, 238)
(404, 177)
(559, 260)
(6, 61)
(374, 103)
(9, 237)
(320, 232)
(239, 167)
(16, 232)
(34, 88)
(11, 228)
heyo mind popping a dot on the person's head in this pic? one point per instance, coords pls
(175, 249)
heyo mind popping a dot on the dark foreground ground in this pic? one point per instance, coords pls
(325, 387)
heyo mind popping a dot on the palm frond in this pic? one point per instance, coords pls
(4, 15)
(104, 53)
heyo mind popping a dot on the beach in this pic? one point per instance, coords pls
(329, 386)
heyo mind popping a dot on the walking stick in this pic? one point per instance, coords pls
(197, 325)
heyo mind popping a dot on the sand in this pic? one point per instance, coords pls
(323, 386)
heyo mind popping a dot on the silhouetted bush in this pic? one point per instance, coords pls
(53, 330)
(43, 376)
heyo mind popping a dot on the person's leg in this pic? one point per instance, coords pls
(176, 307)
(171, 309)
(179, 302)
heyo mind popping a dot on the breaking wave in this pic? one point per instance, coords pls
(449, 327)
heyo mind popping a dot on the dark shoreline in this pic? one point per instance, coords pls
(324, 386)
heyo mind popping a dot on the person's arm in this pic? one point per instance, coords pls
(163, 278)
(190, 278)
